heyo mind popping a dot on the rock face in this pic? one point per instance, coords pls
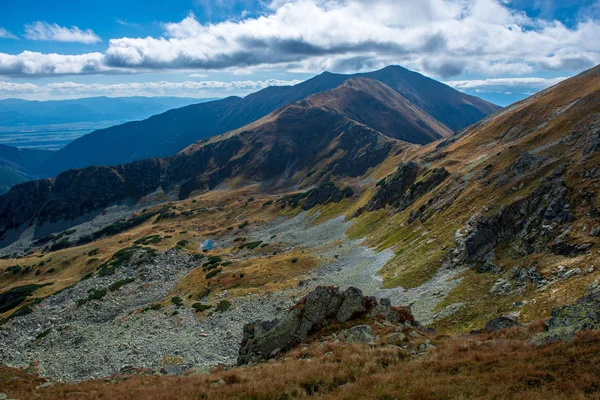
(394, 186)
(529, 222)
(401, 189)
(566, 321)
(523, 165)
(324, 305)
(326, 193)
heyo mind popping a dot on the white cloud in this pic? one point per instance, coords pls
(442, 38)
(53, 32)
(33, 63)
(125, 22)
(187, 88)
(4, 34)
(532, 82)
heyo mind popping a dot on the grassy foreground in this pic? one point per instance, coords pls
(503, 365)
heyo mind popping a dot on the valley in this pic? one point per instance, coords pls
(164, 266)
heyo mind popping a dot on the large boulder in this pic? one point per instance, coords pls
(323, 306)
(566, 321)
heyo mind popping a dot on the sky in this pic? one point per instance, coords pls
(500, 50)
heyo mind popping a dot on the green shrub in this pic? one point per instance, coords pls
(243, 225)
(294, 260)
(118, 284)
(95, 294)
(177, 301)
(250, 245)
(121, 257)
(212, 260)
(153, 307)
(182, 243)
(62, 244)
(223, 306)
(199, 307)
(148, 240)
(213, 273)
(93, 252)
(17, 295)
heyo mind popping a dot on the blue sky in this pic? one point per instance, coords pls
(500, 50)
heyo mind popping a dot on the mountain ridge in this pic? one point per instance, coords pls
(164, 135)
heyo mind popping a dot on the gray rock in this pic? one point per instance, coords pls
(502, 287)
(528, 221)
(566, 321)
(42, 386)
(320, 307)
(127, 370)
(396, 337)
(593, 142)
(359, 334)
(595, 231)
(172, 369)
(497, 324)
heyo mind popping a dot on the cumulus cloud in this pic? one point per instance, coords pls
(53, 32)
(33, 63)
(187, 88)
(4, 34)
(443, 38)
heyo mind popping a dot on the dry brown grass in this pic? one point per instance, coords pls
(492, 366)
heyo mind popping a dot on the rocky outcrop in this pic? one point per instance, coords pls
(401, 189)
(325, 194)
(566, 321)
(593, 141)
(394, 186)
(524, 164)
(324, 305)
(498, 324)
(530, 223)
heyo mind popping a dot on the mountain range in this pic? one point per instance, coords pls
(166, 134)
(19, 165)
(231, 250)
(22, 113)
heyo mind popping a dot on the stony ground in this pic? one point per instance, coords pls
(77, 342)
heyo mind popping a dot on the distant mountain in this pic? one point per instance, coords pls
(18, 165)
(19, 113)
(344, 132)
(166, 134)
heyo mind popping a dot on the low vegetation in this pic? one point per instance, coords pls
(493, 366)
(17, 295)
